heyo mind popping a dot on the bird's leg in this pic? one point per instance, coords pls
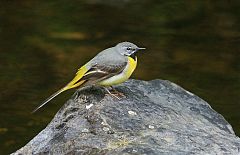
(114, 91)
(77, 94)
(114, 95)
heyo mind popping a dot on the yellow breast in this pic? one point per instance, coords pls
(132, 66)
(123, 76)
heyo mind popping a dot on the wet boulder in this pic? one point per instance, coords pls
(153, 117)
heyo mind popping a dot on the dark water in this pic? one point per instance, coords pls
(192, 43)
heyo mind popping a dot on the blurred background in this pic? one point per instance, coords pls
(42, 44)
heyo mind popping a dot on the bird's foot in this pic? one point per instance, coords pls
(114, 93)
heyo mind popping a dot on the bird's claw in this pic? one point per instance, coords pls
(114, 93)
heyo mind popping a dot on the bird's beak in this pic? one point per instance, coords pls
(141, 48)
(138, 48)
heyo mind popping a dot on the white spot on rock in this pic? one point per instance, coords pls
(85, 130)
(134, 151)
(133, 113)
(104, 123)
(89, 106)
(151, 127)
(106, 129)
(190, 93)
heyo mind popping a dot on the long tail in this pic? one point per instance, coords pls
(76, 82)
(48, 99)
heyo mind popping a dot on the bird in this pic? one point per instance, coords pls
(109, 67)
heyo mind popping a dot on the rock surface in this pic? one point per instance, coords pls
(154, 117)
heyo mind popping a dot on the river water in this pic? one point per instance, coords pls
(192, 43)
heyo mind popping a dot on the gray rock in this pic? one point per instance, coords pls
(155, 117)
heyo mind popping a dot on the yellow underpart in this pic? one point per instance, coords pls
(75, 82)
(123, 76)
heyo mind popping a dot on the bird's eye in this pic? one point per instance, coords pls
(128, 48)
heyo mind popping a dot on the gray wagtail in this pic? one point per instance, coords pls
(110, 67)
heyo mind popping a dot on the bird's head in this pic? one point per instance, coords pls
(127, 48)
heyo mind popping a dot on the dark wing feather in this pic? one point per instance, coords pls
(99, 72)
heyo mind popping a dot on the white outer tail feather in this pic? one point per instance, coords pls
(48, 99)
